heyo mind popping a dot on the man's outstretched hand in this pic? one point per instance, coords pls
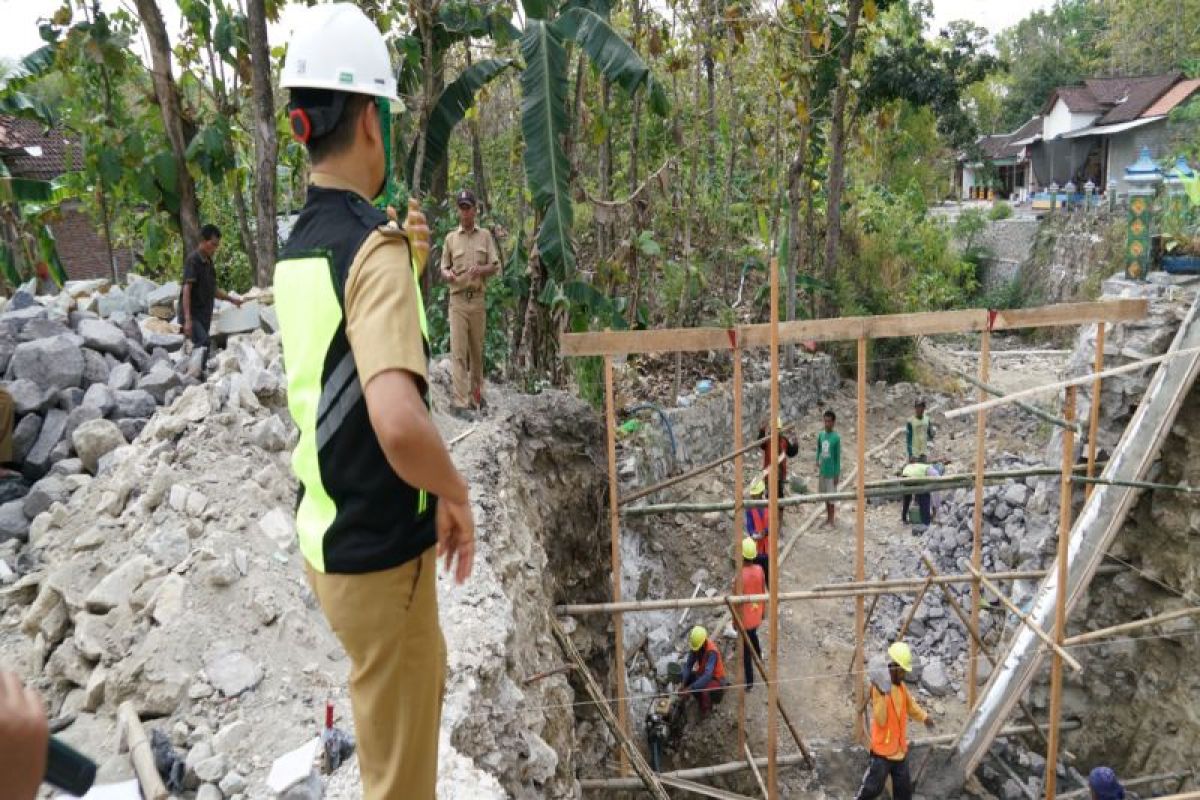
(24, 738)
(456, 537)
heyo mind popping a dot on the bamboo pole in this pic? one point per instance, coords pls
(977, 526)
(791, 759)
(1060, 608)
(860, 521)
(1146, 780)
(1094, 412)
(634, 756)
(1079, 381)
(995, 391)
(762, 670)
(912, 611)
(1104, 633)
(739, 450)
(891, 487)
(754, 768)
(975, 637)
(828, 591)
(703, 790)
(773, 534)
(739, 527)
(972, 353)
(867, 622)
(134, 736)
(614, 527)
(1158, 487)
(1029, 623)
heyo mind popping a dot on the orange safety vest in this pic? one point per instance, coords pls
(890, 740)
(719, 672)
(753, 582)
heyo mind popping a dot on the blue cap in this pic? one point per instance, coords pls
(1103, 781)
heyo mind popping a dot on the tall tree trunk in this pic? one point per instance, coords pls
(636, 127)
(604, 228)
(172, 114)
(244, 234)
(440, 185)
(837, 146)
(481, 194)
(710, 80)
(423, 16)
(266, 142)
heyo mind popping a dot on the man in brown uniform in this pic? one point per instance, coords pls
(469, 258)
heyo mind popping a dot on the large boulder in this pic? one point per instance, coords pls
(13, 522)
(28, 397)
(233, 319)
(122, 376)
(95, 439)
(56, 362)
(95, 367)
(43, 329)
(118, 586)
(100, 397)
(103, 337)
(137, 294)
(54, 426)
(25, 435)
(134, 404)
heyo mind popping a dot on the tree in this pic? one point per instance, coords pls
(266, 142)
(172, 117)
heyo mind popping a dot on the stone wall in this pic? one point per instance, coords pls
(1010, 244)
(1072, 254)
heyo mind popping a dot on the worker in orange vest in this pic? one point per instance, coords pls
(704, 671)
(754, 581)
(891, 706)
(758, 528)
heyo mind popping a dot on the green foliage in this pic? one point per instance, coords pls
(1011, 294)
(1000, 210)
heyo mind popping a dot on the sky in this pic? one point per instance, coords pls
(19, 34)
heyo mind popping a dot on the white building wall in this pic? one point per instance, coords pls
(1061, 120)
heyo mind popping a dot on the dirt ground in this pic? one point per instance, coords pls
(817, 641)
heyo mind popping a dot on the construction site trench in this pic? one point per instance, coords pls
(157, 565)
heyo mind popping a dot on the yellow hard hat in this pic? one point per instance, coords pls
(697, 637)
(901, 656)
(749, 549)
(758, 487)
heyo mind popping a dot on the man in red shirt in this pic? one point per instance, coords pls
(754, 581)
(787, 449)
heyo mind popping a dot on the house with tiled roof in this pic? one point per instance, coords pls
(1004, 167)
(29, 150)
(1088, 132)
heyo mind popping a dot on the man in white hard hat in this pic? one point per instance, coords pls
(891, 706)
(378, 488)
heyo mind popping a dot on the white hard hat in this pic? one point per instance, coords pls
(336, 47)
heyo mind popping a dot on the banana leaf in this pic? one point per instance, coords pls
(8, 266)
(619, 62)
(49, 251)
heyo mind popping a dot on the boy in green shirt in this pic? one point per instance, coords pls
(829, 462)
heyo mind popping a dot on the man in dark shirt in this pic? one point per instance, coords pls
(200, 288)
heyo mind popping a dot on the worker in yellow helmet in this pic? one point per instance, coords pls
(758, 528)
(754, 581)
(891, 706)
(787, 449)
(704, 671)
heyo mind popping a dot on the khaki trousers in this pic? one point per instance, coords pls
(388, 623)
(468, 313)
(6, 427)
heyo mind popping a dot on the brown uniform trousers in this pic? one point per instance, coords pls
(388, 623)
(468, 310)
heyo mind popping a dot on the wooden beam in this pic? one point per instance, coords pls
(773, 707)
(1029, 623)
(704, 791)
(1094, 412)
(739, 525)
(614, 530)
(633, 755)
(860, 523)
(692, 340)
(744, 637)
(977, 518)
(1104, 633)
(1060, 610)
(762, 786)
(134, 736)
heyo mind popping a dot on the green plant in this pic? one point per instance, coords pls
(1000, 210)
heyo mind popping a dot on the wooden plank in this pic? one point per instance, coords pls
(614, 529)
(860, 525)
(1094, 416)
(634, 756)
(985, 349)
(701, 789)
(739, 527)
(773, 487)
(762, 786)
(691, 340)
(1028, 621)
(1060, 608)
(1104, 633)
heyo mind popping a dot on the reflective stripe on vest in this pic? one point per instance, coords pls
(759, 518)
(891, 738)
(304, 286)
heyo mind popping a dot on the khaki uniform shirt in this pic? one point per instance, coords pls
(383, 318)
(463, 251)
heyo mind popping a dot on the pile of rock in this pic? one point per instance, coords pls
(86, 369)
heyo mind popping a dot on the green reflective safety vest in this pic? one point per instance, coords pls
(354, 513)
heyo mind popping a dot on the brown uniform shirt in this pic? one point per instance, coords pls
(464, 250)
(383, 321)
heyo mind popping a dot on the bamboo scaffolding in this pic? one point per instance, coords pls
(891, 487)
(732, 767)
(738, 525)
(762, 670)
(1094, 411)
(1079, 381)
(985, 350)
(1146, 780)
(912, 611)
(1029, 623)
(1158, 487)
(829, 591)
(754, 768)
(614, 523)
(645, 774)
(860, 521)
(866, 623)
(973, 632)
(995, 391)
(1060, 609)
(701, 789)
(773, 707)
(1104, 633)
